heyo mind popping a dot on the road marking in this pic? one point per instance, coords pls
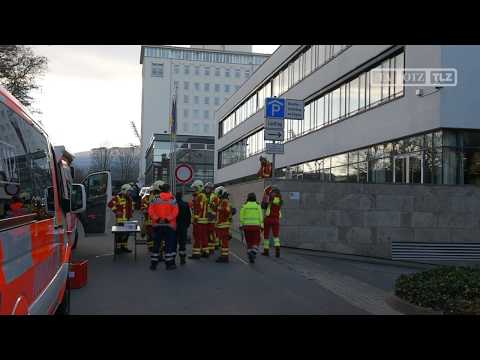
(108, 254)
(239, 258)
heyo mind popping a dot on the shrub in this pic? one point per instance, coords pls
(451, 289)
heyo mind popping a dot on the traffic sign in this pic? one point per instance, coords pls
(294, 109)
(275, 108)
(274, 124)
(274, 148)
(184, 173)
(275, 135)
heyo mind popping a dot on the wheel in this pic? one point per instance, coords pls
(64, 307)
(75, 241)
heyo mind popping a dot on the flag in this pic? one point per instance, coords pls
(173, 118)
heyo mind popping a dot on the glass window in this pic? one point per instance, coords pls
(217, 71)
(327, 111)
(399, 65)
(157, 70)
(185, 99)
(206, 114)
(335, 98)
(24, 167)
(227, 72)
(186, 70)
(343, 99)
(227, 88)
(176, 69)
(207, 71)
(206, 128)
(217, 87)
(196, 127)
(185, 85)
(354, 96)
(197, 70)
(361, 92)
(196, 113)
(375, 85)
(385, 79)
(237, 73)
(247, 74)
(185, 126)
(217, 101)
(195, 98)
(206, 87)
(320, 112)
(197, 86)
(207, 100)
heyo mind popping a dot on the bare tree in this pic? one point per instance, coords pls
(128, 159)
(19, 70)
(101, 159)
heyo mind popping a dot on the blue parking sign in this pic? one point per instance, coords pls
(275, 108)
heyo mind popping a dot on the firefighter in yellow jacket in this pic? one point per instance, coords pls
(122, 206)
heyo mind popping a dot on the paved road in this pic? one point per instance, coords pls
(297, 283)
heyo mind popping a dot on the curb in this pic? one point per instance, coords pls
(408, 308)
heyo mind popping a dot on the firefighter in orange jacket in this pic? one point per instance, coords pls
(272, 203)
(200, 222)
(122, 206)
(224, 223)
(213, 201)
(163, 210)
(265, 168)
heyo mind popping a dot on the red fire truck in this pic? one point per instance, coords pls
(40, 209)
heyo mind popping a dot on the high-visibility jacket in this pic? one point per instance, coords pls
(274, 206)
(200, 208)
(251, 214)
(213, 203)
(144, 207)
(163, 207)
(122, 206)
(224, 214)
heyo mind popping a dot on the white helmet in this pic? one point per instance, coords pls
(125, 188)
(157, 185)
(197, 184)
(209, 185)
(219, 190)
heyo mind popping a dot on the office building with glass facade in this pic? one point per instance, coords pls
(204, 78)
(357, 127)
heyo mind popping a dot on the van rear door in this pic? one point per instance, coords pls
(98, 188)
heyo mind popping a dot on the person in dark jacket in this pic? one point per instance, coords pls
(183, 222)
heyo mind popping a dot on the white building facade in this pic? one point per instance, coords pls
(205, 77)
(355, 130)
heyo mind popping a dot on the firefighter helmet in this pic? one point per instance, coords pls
(219, 190)
(157, 185)
(125, 188)
(197, 184)
(208, 185)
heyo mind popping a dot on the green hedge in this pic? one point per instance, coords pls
(451, 289)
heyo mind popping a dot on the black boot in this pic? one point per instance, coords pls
(194, 257)
(153, 265)
(265, 252)
(277, 251)
(205, 255)
(251, 258)
(182, 260)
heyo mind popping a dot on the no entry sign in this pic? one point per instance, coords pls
(184, 173)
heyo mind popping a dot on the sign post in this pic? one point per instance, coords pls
(183, 174)
(276, 110)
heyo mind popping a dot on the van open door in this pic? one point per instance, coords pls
(98, 189)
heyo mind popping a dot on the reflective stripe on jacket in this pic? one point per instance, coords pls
(224, 214)
(213, 203)
(200, 208)
(122, 206)
(164, 207)
(251, 214)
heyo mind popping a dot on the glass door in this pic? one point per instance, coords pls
(408, 169)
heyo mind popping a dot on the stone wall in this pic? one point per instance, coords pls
(364, 219)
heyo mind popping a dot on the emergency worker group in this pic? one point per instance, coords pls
(166, 219)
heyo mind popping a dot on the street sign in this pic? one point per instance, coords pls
(294, 109)
(184, 173)
(274, 124)
(274, 148)
(275, 135)
(275, 108)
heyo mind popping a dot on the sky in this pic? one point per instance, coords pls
(91, 93)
